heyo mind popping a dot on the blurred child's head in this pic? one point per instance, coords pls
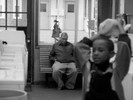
(103, 49)
(111, 28)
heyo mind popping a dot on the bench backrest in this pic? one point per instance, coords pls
(44, 59)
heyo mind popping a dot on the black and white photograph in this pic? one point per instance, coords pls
(66, 49)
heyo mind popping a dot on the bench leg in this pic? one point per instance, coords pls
(47, 79)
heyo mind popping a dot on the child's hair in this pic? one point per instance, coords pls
(110, 44)
(86, 41)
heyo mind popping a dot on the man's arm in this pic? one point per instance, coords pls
(52, 54)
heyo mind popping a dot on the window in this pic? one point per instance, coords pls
(43, 7)
(17, 6)
(2, 9)
(13, 14)
(70, 8)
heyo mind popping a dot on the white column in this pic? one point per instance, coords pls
(92, 9)
(76, 20)
(87, 8)
(113, 9)
(57, 9)
(122, 6)
(96, 16)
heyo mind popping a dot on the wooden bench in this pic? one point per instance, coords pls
(45, 66)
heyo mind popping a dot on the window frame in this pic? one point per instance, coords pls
(5, 13)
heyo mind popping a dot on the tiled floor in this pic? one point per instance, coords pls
(43, 93)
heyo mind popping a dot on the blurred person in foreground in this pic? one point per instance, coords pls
(101, 70)
(124, 37)
(110, 28)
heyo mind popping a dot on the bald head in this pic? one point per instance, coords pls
(64, 35)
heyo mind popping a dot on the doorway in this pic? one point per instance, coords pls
(44, 15)
(104, 10)
(69, 15)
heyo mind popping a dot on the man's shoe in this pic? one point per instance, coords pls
(64, 88)
(70, 88)
(61, 88)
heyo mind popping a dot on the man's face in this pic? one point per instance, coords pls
(100, 51)
(63, 40)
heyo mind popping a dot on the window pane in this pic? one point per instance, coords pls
(2, 28)
(11, 5)
(0, 8)
(20, 7)
(2, 5)
(70, 8)
(11, 20)
(23, 20)
(43, 7)
(11, 28)
(24, 6)
(2, 19)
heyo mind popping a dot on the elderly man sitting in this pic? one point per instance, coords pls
(62, 55)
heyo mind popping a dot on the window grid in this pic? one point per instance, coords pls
(17, 14)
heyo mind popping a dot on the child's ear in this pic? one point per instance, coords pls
(112, 54)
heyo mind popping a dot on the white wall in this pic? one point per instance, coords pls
(122, 6)
(131, 37)
(53, 13)
(81, 14)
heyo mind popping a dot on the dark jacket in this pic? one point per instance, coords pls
(62, 53)
(125, 38)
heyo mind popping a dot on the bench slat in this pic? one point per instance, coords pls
(44, 60)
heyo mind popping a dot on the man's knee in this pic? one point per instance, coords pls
(56, 71)
(75, 70)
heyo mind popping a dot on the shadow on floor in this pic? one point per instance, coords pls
(51, 83)
(40, 92)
